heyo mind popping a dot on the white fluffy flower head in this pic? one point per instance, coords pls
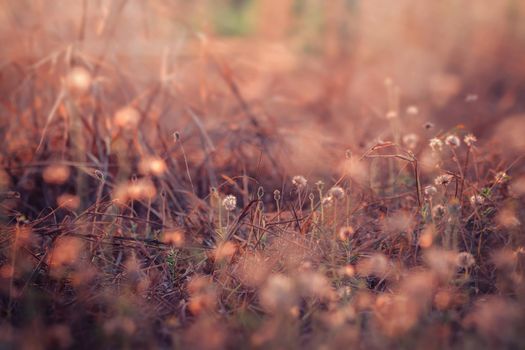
(453, 141)
(229, 202)
(299, 181)
(436, 144)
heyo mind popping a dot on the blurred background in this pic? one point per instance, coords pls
(314, 69)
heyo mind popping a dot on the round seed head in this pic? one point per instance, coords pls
(345, 232)
(436, 144)
(443, 180)
(452, 141)
(465, 260)
(78, 80)
(337, 193)
(412, 110)
(153, 166)
(127, 118)
(229, 203)
(430, 190)
(299, 181)
(410, 140)
(469, 139)
(391, 115)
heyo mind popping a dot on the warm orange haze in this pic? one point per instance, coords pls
(267, 174)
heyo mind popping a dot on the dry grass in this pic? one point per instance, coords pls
(274, 190)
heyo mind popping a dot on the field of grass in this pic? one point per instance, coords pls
(262, 174)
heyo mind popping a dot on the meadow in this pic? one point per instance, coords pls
(266, 174)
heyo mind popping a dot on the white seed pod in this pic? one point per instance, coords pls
(229, 203)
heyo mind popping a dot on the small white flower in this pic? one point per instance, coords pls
(336, 192)
(410, 140)
(465, 260)
(430, 190)
(345, 232)
(436, 144)
(477, 199)
(452, 141)
(229, 203)
(299, 181)
(469, 139)
(412, 110)
(443, 180)
(391, 115)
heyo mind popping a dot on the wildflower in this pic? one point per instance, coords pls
(78, 80)
(469, 139)
(152, 165)
(412, 110)
(430, 190)
(443, 180)
(127, 118)
(452, 141)
(427, 237)
(56, 174)
(278, 293)
(336, 192)
(465, 260)
(68, 201)
(225, 251)
(347, 270)
(411, 140)
(140, 189)
(313, 284)
(229, 203)
(501, 177)
(517, 187)
(477, 199)
(320, 185)
(471, 98)
(376, 265)
(276, 195)
(65, 251)
(507, 218)
(496, 318)
(299, 181)
(443, 299)
(345, 232)
(438, 211)
(391, 115)
(436, 144)
(174, 238)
